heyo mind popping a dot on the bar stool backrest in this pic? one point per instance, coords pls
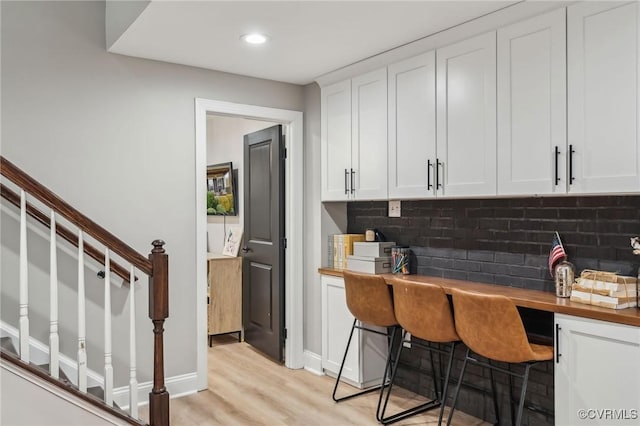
(424, 311)
(369, 299)
(490, 325)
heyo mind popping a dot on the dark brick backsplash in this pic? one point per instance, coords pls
(590, 227)
(505, 242)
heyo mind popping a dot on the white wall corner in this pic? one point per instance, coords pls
(119, 15)
(313, 363)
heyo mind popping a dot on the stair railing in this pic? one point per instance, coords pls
(155, 267)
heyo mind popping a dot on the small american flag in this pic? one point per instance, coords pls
(557, 253)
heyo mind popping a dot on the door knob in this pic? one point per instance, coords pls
(246, 249)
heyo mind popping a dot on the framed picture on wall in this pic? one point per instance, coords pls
(221, 190)
(232, 241)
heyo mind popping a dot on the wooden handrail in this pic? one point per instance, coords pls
(156, 267)
(64, 232)
(51, 200)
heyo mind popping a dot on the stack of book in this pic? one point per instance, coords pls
(605, 289)
(340, 246)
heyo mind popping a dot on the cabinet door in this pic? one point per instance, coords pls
(602, 42)
(336, 325)
(369, 136)
(412, 127)
(466, 140)
(336, 141)
(596, 368)
(532, 106)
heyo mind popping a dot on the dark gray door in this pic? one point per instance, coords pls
(263, 250)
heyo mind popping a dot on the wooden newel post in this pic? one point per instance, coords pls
(158, 312)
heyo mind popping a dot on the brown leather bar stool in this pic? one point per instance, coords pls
(491, 327)
(424, 311)
(369, 301)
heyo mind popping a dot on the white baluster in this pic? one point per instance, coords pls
(133, 381)
(24, 280)
(54, 340)
(82, 341)
(108, 368)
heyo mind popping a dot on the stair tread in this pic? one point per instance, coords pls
(61, 375)
(6, 343)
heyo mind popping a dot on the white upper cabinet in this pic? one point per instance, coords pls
(466, 131)
(354, 138)
(412, 127)
(602, 43)
(368, 174)
(336, 141)
(532, 118)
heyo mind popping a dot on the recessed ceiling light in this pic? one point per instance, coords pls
(254, 38)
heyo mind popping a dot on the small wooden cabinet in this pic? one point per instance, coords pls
(225, 295)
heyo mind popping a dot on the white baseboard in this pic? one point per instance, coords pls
(313, 363)
(177, 386)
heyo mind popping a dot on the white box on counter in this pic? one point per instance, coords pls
(368, 264)
(373, 249)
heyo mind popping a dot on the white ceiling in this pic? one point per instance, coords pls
(307, 38)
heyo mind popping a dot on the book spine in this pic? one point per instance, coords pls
(330, 261)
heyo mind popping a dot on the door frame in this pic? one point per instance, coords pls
(294, 297)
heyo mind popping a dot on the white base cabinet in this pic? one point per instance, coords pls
(597, 379)
(365, 362)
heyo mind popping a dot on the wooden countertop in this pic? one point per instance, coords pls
(534, 299)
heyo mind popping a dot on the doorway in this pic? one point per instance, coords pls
(292, 122)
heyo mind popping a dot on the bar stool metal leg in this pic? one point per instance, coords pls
(443, 401)
(511, 398)
(433, 375)
(437, 402)
(394, 368)
(525, 380)
(455, 395)
(494, 395)
(344, 358)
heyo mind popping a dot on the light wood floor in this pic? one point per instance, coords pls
(245, 388)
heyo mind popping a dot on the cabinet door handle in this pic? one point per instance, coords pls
(558, 354)
(429, 165)
(346, 179)
(438, 163)
(571, 152)
(353, 187)
(557, 154)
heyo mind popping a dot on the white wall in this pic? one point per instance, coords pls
(23, 390)
(225, 142)
(312, 205)
(114, 136)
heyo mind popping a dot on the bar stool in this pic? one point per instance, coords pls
(369, 301)
(424, 311)
(490, 326)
